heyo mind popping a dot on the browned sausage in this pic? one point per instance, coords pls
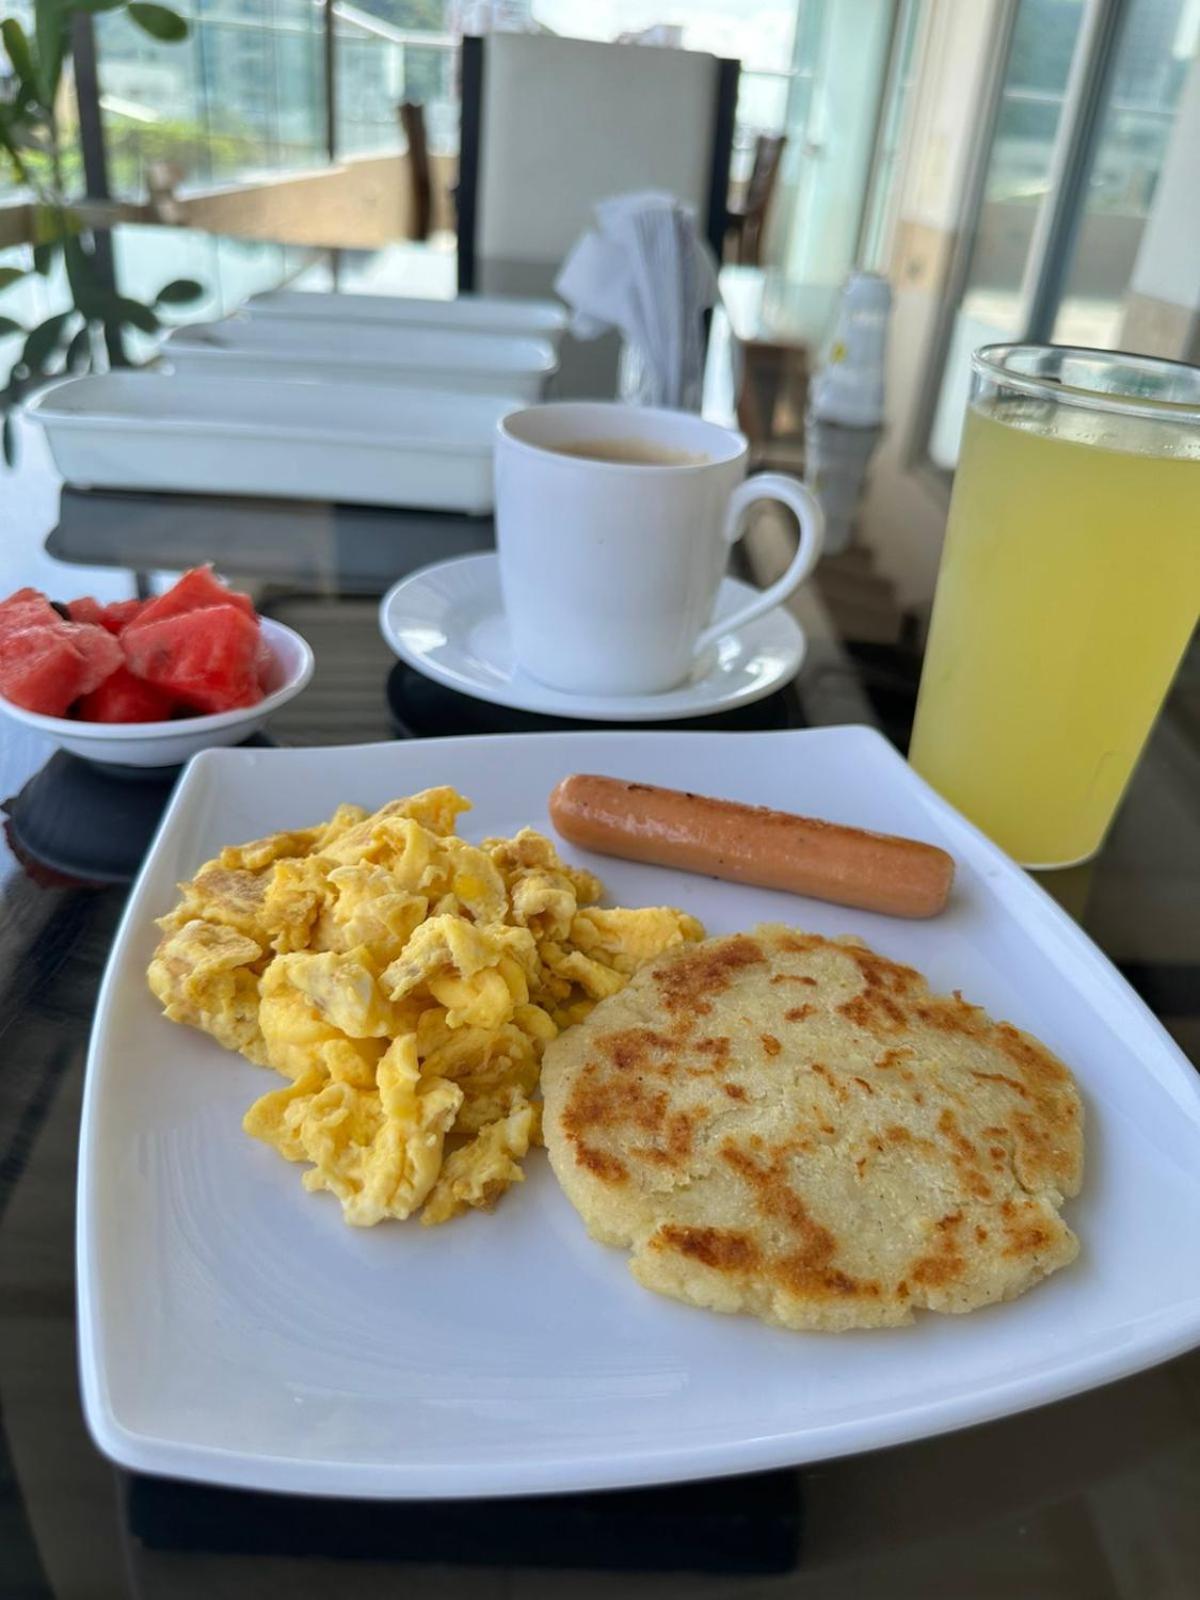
(752, 844)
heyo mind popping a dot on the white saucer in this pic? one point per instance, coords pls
(448, 622)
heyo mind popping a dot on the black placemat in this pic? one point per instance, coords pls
(422, 709)
(729, 1525)
(88, 822)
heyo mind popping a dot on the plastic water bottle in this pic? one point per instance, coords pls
(848, 387)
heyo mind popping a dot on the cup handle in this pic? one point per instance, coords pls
(771, 486)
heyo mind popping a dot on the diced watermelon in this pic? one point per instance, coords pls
(27, 608)
(101, 653)
(124, 698)
(118, 614)
(206, 658)
(197, 590)
(115, 616)
(42, 670)
(46, 667)
(85, 609)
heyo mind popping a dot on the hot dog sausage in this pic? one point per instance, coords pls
(752, 844)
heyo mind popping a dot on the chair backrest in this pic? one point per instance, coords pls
(768, 152)
(550, 126)
(412, 123)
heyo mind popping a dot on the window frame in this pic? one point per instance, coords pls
(1056, 228)
(911, 23)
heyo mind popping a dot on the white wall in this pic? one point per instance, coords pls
(1168, 261)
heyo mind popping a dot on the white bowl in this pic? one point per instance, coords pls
(168, 744)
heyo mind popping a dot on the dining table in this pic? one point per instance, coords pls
(1095, 1496)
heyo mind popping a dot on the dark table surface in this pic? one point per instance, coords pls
(1094, 1497)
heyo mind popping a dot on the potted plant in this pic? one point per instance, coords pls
(88, 334)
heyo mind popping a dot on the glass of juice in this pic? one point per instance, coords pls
(1068, 591)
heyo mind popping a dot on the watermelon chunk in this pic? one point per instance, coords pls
(115, 616)
(101, 653)
(197, 590)
(41, 670)
(44, 669)
(27, 608)
(47, 666)
(206, 658)
(118, 614)
(85, 609)
(124, 698)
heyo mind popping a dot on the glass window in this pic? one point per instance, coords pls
(882, 195)
(389, 51)
(1015, 188)
(841, 55)
(1061, 263)
(1158, 45)
(242, 95)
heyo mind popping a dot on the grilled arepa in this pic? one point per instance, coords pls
(796, 1127)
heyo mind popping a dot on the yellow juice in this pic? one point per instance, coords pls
(1069, 587)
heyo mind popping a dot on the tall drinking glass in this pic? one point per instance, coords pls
(1068, 590)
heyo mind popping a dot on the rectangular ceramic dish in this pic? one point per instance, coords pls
(273, 436)
(359, 352)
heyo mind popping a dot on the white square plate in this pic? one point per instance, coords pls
(232, 1329)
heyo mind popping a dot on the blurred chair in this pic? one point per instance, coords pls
(412, 123)
(748, 215)
(162, 181)
(550, 126)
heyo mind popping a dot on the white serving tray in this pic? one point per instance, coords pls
(233, 1329)
(359, 352)
(478, 313)
(271, 436)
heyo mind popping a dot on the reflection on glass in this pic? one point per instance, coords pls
(242, 95)
(882, 197)
(1160, 41)
(839, 63)
(378, 66)
(1015, 189)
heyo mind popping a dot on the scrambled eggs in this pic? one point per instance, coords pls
(406, 982)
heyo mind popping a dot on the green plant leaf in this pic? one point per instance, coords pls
(43, 341)
(79, 351)
(10, 440)
(158, 21)
(20, 172)
(134, 312)
(95, 6)
(43, 258)
(179, 292)
(7, 325)
(50, 35)
(20, 55)
(11, 275)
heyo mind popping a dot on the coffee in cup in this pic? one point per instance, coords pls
(613, 526)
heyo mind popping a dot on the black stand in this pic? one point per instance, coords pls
(730, 1525)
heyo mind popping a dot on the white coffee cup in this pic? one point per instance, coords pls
(610, 567)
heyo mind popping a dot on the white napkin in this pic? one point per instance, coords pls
(644, 270)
